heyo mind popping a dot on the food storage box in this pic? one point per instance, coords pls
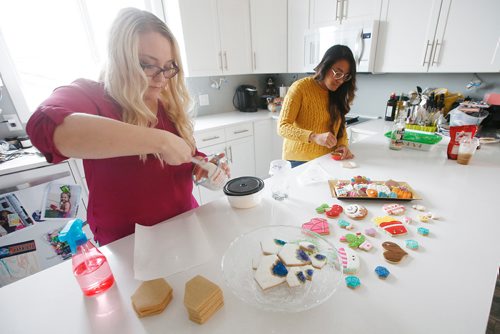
(418, 140)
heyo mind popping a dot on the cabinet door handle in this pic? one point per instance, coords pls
(426, 51)
(240, 131)
(344, 9)
(225, 60)
(254, 61)
(210, 138)
(220, 59)
(34, 183)
(231, 154)
(338, 11)
(437, 51)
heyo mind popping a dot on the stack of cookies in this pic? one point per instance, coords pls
(152, 297)
(202, 299)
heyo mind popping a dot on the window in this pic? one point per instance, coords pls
(53, 42)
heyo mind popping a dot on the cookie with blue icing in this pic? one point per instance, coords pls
(265, 276)
(293, 255)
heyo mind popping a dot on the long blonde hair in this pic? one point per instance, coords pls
(126, 82)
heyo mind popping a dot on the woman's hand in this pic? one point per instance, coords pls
(175, 151)
(199, 173)
(324, 139)
(345, 152)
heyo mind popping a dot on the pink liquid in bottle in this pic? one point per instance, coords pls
(92, 270)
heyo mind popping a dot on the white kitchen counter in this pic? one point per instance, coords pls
(27, 161)
(229, 118)
(444, 287)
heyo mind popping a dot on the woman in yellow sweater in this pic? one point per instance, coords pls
(312, 118)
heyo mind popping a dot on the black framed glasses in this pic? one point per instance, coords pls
(339, 75)
(153, 70)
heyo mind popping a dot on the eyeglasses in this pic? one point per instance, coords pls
(168, 73)
(339, 75)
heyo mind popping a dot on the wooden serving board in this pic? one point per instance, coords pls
(333, 183)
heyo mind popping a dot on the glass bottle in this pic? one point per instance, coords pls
(398, 129)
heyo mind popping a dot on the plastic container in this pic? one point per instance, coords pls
(459, 118)
(90, 267)
(418, 140)
(244, 192)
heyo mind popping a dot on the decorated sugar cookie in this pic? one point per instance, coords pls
(295, 277)
(352, 282)
(335, 211)
(391, 225)
(307, 246)
(322, 208)
(393, 253)
(349, 260)
(382, 272)
(345, 224)
(358, 241)
(394, 209)
(411, 244)
(318, 261)
(419, 207)
(370, 232)
(271, 246)
(317, 225)
(356, 211)
(423, 231)
(293, 255)
(264, 273)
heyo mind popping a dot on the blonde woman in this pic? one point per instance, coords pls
(131, 129)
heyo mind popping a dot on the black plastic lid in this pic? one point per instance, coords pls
(245, 185)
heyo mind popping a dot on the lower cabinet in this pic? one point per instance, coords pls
(238, 146)
(268, 145)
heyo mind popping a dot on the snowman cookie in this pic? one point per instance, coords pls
(349, 260)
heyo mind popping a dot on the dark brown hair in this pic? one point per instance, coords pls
(340, 100)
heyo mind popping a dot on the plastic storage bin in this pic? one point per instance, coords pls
(418, 140)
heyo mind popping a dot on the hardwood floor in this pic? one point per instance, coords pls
(494, 320)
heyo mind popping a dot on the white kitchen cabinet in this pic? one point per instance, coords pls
(298, 24)
(268, 145)
(214, 35)
(269, 35)
(331, 12)
(241, 157)
(438, 36)
(467, 37)
(237, 142)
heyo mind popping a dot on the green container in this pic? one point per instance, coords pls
(418, 140)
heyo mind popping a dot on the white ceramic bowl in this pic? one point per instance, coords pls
(244, 192)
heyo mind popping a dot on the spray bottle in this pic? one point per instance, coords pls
(90, 267)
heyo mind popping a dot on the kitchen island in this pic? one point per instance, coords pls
(446, 286)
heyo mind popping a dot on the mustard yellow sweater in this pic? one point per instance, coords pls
(305, 111)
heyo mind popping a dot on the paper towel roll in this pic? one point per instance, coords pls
(283, 91)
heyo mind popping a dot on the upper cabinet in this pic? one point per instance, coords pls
(269, 35)
(214, 35)
(467, 37)
(331, 12)
(225, 37)
(439, 36)
(298, 24)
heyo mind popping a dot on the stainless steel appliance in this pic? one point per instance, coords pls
(245, 98)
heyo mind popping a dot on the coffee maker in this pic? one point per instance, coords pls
(245, 98)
